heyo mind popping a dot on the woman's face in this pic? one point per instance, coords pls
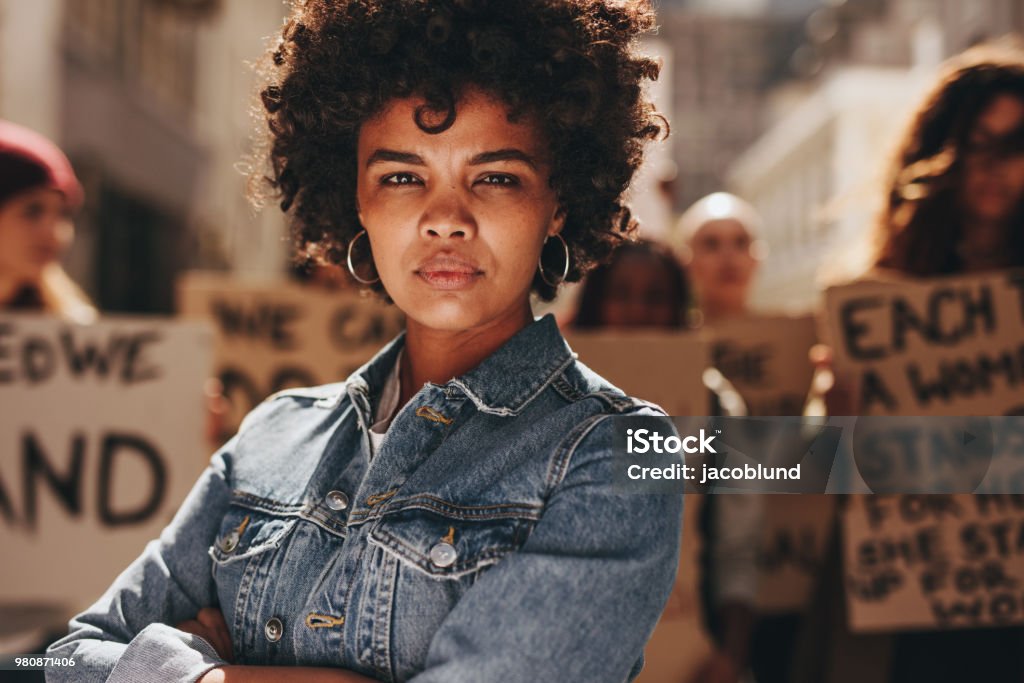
(35, 230)
(993, 181)
(723, 262)
(457, 219)
(639, 293)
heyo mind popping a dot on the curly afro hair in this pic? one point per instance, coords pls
(571, 64)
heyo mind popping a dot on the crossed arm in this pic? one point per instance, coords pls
(576, 602)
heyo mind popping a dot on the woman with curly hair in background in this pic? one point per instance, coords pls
(447, 513)
(953, 203)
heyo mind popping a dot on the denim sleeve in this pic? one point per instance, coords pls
(128, 634)
(580, 598)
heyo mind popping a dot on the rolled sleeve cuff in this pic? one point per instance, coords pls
(162, 653)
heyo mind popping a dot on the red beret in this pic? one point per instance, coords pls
(29, 160)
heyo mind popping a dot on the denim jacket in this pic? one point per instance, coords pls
(483, 542)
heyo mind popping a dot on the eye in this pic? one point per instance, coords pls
(399, 179)
(34, 210)
(500, 180)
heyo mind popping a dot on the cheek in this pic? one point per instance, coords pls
(14, 240)
(1016, 176)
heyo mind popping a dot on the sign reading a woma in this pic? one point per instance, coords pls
(102, 437)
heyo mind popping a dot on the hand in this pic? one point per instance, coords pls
(831, 393)
(217, 407)
(210, 624)
(717, 668)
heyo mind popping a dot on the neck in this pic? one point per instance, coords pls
(9, 286)
(984, 244)
(437, 356)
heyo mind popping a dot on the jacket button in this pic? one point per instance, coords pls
(337, 500)
(230, 542)
(443, 554)
(274, 629)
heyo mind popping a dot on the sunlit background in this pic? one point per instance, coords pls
(789, 103)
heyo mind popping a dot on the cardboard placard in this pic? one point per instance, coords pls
(941, 346)
(946, 347)
(934, 561)
(794, 537)
(664, 368)
(280, 335)
(102, 433)
(765, 359)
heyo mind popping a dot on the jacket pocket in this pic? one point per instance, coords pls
(245, 532)
(443, 546)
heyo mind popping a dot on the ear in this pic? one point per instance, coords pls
(557, 221)
(685, 255)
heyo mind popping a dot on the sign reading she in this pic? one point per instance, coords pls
(102, 432)
(934, 561)
(280, 335)
(766, 360)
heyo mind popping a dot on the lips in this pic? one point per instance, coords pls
(448, 271)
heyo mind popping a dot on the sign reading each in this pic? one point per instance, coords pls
(947, 347)
(943, 346)
(102, 431)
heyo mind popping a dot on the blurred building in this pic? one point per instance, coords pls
(150, 100)
(815, 173)
(726, 57)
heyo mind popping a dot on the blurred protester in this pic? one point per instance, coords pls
(645, 286)
(721, 251)
(953, 204)
(38, 195)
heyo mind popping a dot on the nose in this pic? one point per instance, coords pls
(447, 216)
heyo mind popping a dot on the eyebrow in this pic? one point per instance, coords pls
(510, 154)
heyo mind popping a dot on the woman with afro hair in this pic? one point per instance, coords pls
(448, 512)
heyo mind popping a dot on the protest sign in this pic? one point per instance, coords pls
(664, 368)
(102, 433)
(942, 346)
(951, 347)
(279, 335)
(765, 359)
(934, 561)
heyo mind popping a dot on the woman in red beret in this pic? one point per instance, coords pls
(38, 194)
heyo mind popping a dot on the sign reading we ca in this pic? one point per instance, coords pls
(279, 335)
(100, 436)
(945, 346)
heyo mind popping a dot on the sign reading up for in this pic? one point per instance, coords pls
(101, 437)
(280, 335)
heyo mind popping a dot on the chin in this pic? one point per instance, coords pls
(451, 315)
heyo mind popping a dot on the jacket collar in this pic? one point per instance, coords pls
(503, 384)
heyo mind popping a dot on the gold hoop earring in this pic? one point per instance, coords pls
(351, 268)
(565, 268)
